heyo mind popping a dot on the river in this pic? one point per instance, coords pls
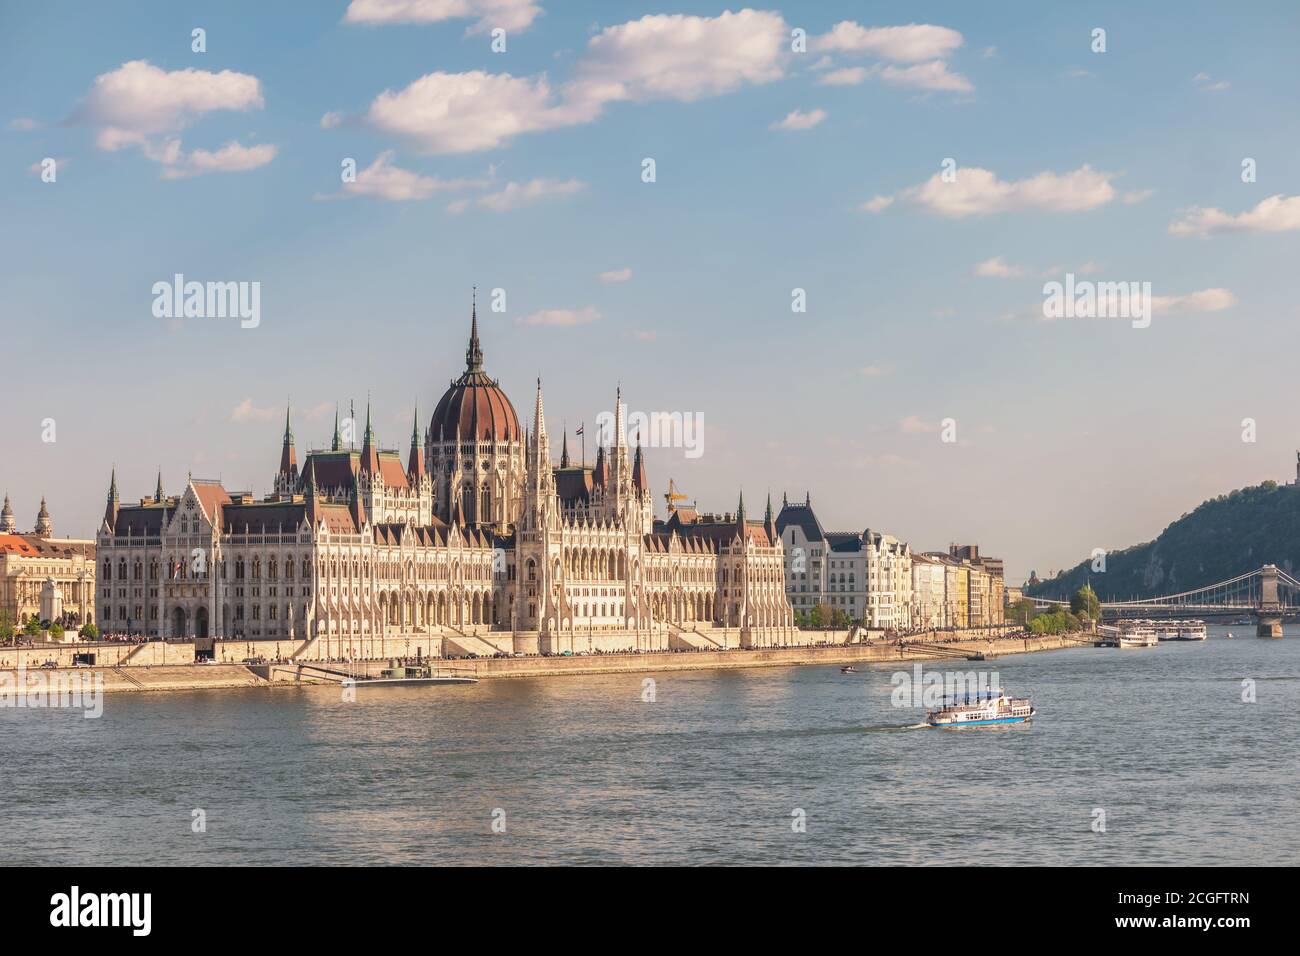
(766, 765)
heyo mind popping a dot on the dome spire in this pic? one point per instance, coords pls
(7, 518)
(474, 354)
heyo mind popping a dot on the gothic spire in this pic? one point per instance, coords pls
(337, 443)
(564, 449)
(158, 489)
(474, 354)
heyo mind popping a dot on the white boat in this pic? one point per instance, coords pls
(1190, 631)
(407, 675)
(981, 711)
(1138, 637)
(1175, 630)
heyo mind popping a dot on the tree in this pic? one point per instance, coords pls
(816, 618)
(1085, 603)
(32, 628)
(6, 626)
(90, 631)
(56, 631)
(1021, 612)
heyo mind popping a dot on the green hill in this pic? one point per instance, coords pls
(1226, 536)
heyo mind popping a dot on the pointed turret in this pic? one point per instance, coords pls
(415, 462)
(740, 511)
(541, 445)
(158, 489)
(288, 459)
(639, 483)
(769, 521)
(7, 525)
(369, 453)
(564, 449)
(600, 475)
(474, 354)
(337, 443)
(110, 509)
(44, 527)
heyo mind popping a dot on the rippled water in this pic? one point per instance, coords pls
(711, 772)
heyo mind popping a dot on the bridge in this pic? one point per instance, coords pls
(1267, 594)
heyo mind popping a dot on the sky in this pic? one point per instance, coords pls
(919, 171)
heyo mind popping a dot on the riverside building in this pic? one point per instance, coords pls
(474, 542)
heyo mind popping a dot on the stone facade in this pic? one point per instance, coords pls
(867, 574)
(492, 548)
(44, 577)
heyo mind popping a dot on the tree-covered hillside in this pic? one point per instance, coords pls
(1226, 536)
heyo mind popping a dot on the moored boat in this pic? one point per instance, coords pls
(995, 707)
(407, 674)
(848, 669)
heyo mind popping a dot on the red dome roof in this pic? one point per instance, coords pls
(474, 408)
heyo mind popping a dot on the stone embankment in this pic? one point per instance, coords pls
(179, 676)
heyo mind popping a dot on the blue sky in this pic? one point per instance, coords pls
(1072, 434)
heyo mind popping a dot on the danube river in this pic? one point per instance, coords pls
(713, 771)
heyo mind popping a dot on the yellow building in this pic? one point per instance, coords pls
(44, 577)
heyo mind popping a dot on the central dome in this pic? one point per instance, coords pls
(474, 408)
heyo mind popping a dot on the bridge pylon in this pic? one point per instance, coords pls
(1268, 616)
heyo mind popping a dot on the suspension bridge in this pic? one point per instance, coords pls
(1267, 594)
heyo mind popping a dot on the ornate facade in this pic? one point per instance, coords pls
(479, 543)
(44, 577)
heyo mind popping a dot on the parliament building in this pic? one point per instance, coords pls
(474, 542)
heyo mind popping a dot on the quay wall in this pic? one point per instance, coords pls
(184, 675)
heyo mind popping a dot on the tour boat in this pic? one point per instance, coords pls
(1138, 634)
(978, 711)
(848, 669)
(407, 675)
(1189, 631)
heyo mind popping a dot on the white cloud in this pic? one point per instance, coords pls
(138, 100)
(465, 112)
(657, 57)
(36, 169)
(1206, 300)
(877, 204)
(681, 57)
(382, 180)
(511, 15)
(799, 120)
(978, 192)
(849, 76)
(927, 76)
(562, 317)
(138, 104)
(906, 44)
(997, 268)
(246, 411)
(231, 158)
(1277, 213)
(616, 275)
(915, 425)
(515, 195)
(1204, 82)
